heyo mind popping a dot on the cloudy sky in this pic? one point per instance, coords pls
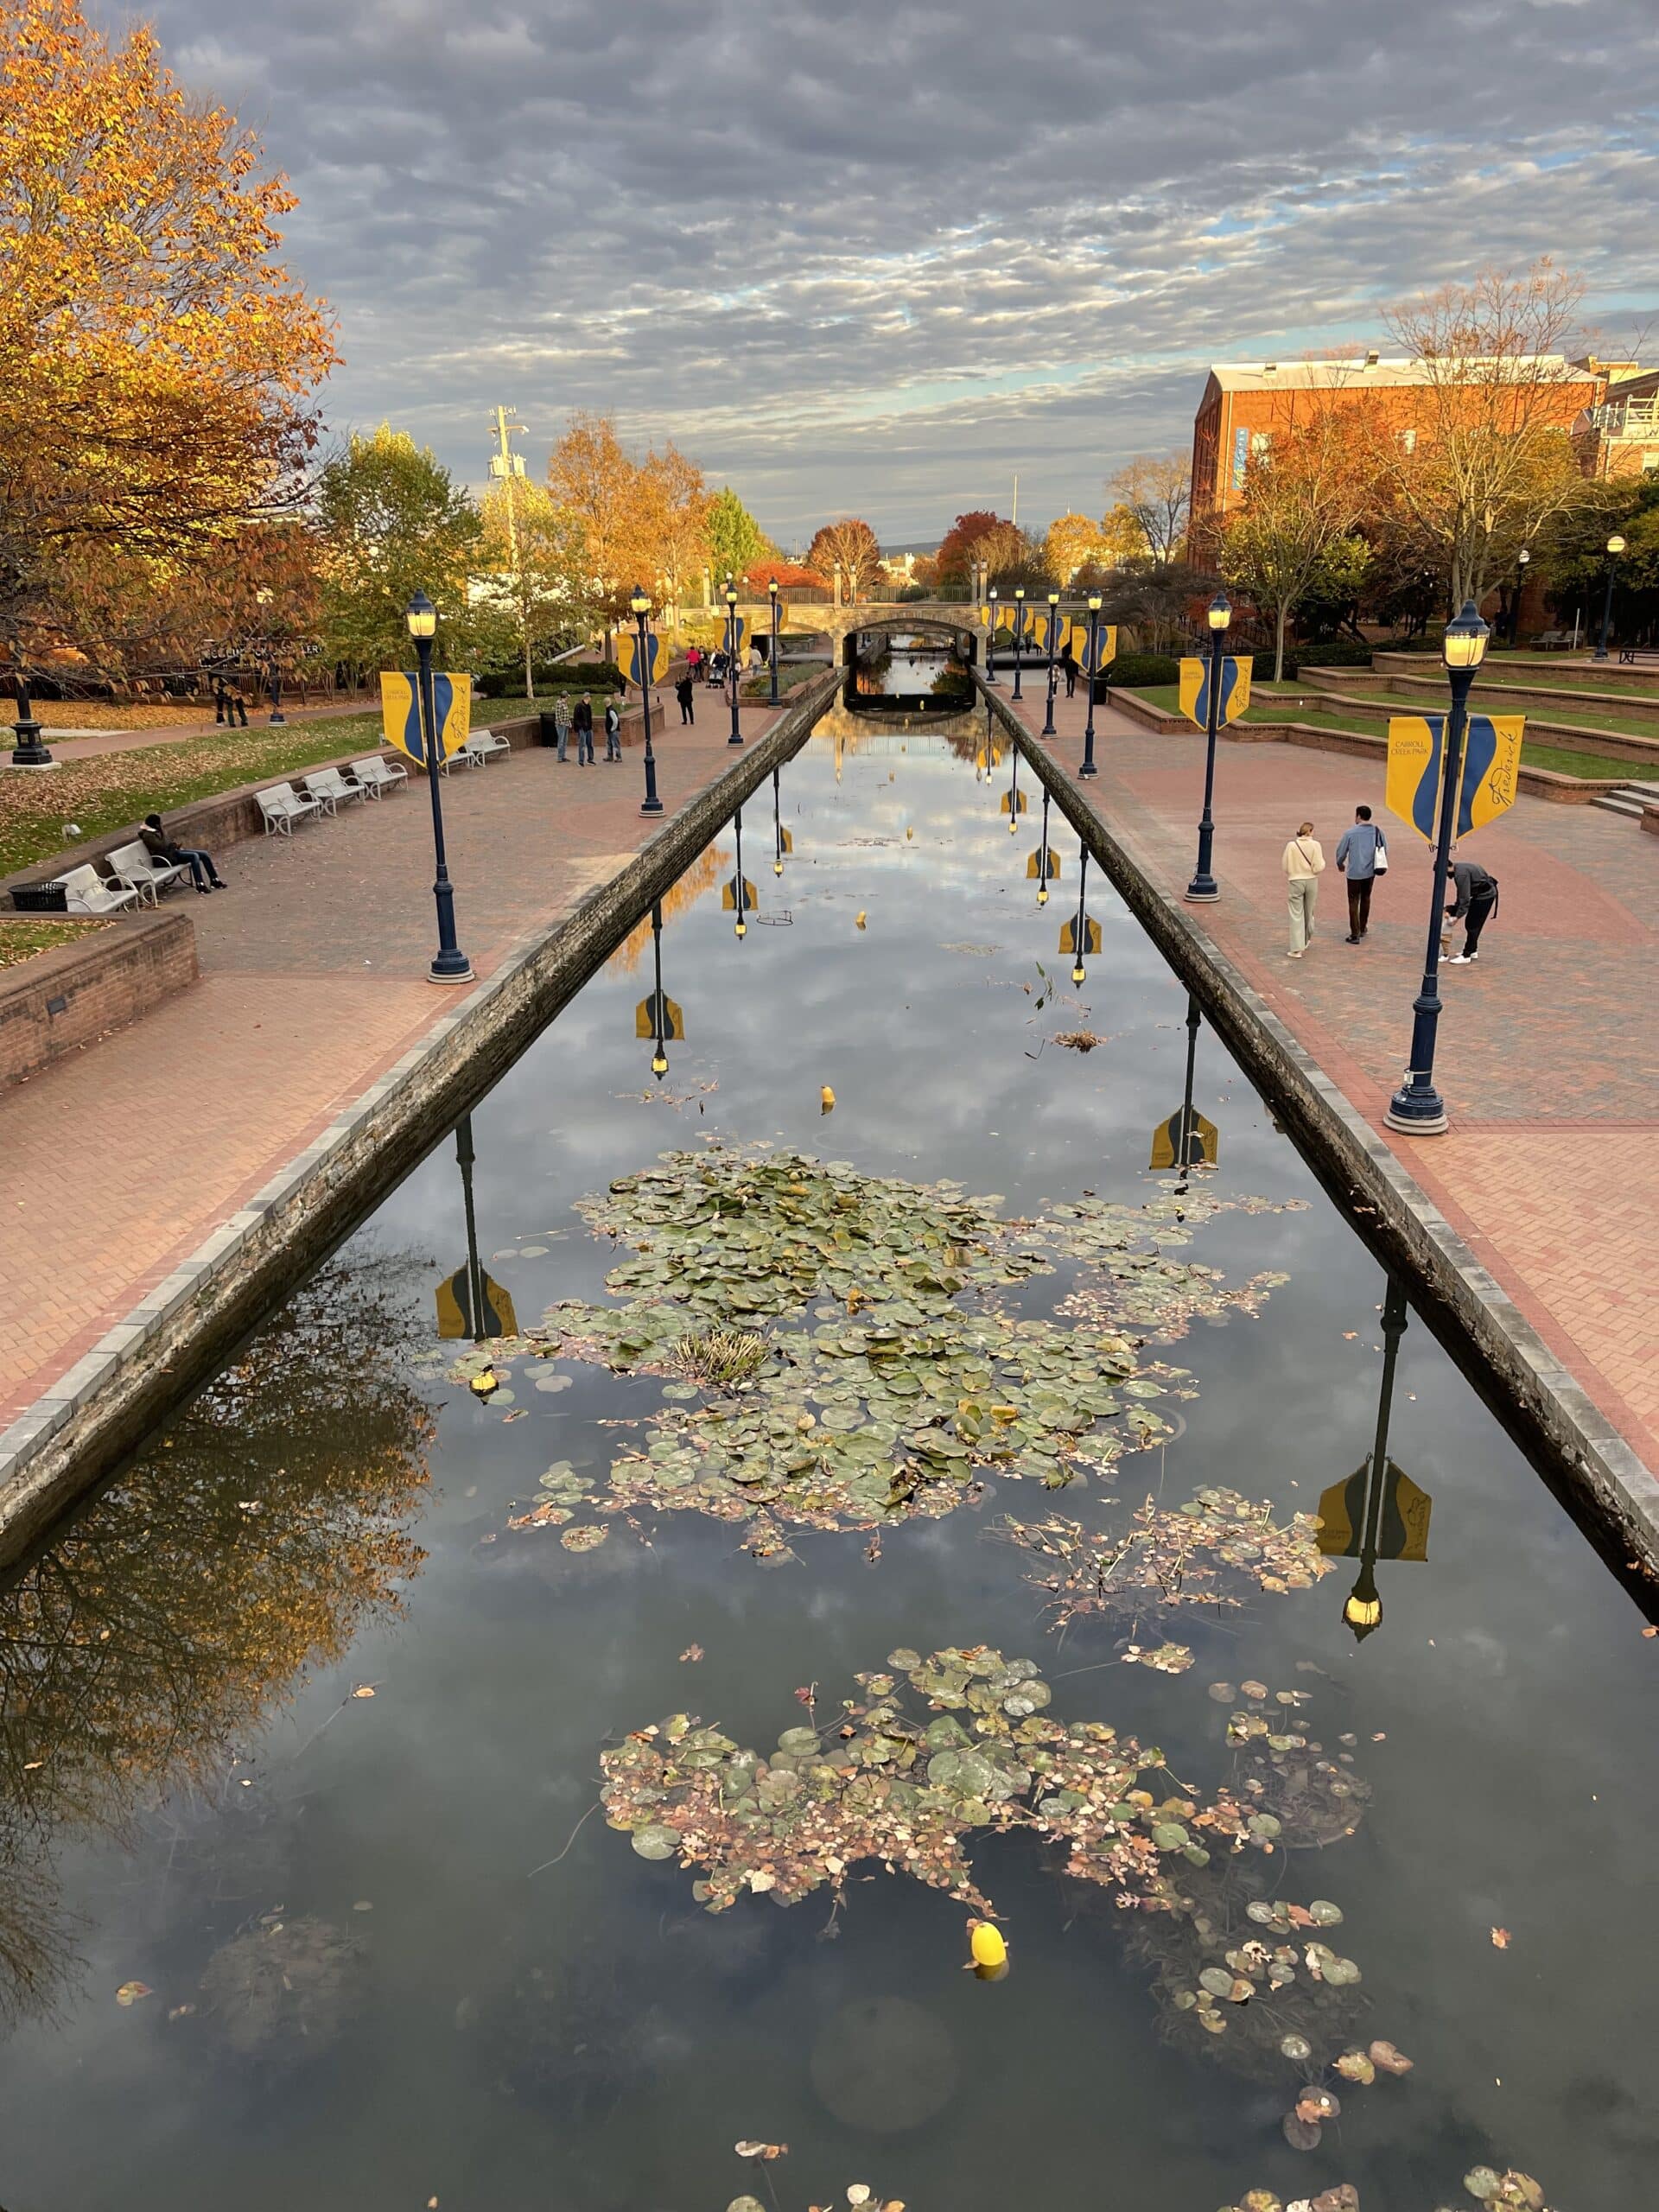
(875, 256)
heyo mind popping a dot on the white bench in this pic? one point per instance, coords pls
(376, 775)
(330, 786)
(282, 806)
(481, 747)
(87, 892)
(137, 867)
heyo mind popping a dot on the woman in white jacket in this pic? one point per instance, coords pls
(1304, 865)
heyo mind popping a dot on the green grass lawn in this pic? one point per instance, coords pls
(22, 940)
(1285, 705)
(1579, 718)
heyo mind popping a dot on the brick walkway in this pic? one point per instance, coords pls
(1548, 1056)
(125, 1158)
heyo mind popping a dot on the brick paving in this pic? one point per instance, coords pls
(1547, 1054)
(122, 1159)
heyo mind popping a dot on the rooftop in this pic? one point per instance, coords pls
(1369, 369)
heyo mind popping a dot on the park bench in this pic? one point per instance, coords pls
(87, 892)
(137, 867)
(484, 745)
(376, 775)
(330, 786)
(281, 807)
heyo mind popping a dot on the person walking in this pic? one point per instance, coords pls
(1475, 904)
(1362, 856)
(612, 731)
(203, 874)
(583, 722)
(1304, 864)
(686, 691)
(1069, 663)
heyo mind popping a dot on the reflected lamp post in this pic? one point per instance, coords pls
(1204, 887)
(1362, 1607)
(641, 606)
(1042, 855)
(1088, 767)
(451, 965)
(741, 891)
(1018, 635)
(780, 843)
(658, 1054)
(1078, 973)
(771, 594)
(1417, 1107)
(1053, 634)
(736, 737)
(990, 634)
(1014, 791)
(1614, 547)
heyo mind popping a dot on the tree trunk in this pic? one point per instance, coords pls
(1279, 643)
(529, 681)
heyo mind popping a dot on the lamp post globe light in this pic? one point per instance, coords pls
(1204, 887)
(736, 737)
(1088, 767)
(641, 604)
(771, 594)
(1416, 1108)
(990, 633)
(451, 965)
(1019, 634)
(1614, 547)
(1053, 631)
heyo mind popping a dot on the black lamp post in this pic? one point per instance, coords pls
(1522, 559)
(1204, 887)
(1417, 1107)
(1614, 547)
(1053, 634)
(1079, 974)
(1019, 634)
(641, 606)
(771, 594)
(736, 737)
(278, 718)
(990, 634)
(451, 965)
(1088, 767)
(27, 752)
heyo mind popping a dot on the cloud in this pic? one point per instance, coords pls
(859, 256)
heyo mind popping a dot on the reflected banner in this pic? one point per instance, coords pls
(400, 713)
(659, 653)
(738, 896)
(455, 1304)
(1491, 767)
(659, 1016)
(1013, 801)
(1234, 690)
(1402, 1521)
(1035, 871)
(1203, 1141)
(1091, 936)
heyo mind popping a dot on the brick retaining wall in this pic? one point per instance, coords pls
(61, 1001)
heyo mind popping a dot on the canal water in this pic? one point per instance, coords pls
(303, 1898)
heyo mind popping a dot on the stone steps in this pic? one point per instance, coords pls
(1628, 799)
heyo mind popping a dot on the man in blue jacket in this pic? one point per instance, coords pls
(1357, 858)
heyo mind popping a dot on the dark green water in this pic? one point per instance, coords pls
(186, 1768)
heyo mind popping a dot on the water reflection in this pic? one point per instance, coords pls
(1043, 866)
(1379, 1512)
(657, 1016)
(180, 1609)
(1188, 1139)
(470, 1302)
(1081, 934)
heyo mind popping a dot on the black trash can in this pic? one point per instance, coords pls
(40, 898)
(549, 730)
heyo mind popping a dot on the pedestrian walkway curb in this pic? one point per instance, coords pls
(77, 1435)
(1609, 1491)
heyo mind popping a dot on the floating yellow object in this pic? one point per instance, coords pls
(909, 833)
(987, 1945)
(859, 923)
(826, 1100)
(485, 1381)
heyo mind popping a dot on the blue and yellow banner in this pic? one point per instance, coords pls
(1491, 763)
(1090, 934)
(400, 713)
(1403, 1521)
(1202, 1143)
(736, 634)
(659, 1016)
(1034, 868)
(738, 897)
(1234, 690)
(659, 653)
(1013, 802)
(1105, 647)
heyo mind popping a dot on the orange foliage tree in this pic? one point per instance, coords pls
(853, 544)
(158, 365)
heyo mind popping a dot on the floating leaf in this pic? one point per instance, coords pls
(1357, 2066)
(656, 1842)
(131, 1991)
(1301, 2134)
(586, 1538)
(1387, 2060)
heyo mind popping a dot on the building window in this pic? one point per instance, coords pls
(1240, 457)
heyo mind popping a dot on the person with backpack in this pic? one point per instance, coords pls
(583, 723)
(1474, 905)
(1362, 856)
(612, 731)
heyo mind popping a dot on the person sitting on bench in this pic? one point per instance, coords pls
(205, 875)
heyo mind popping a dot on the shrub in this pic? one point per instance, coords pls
(1331, 653)
(1131, 670)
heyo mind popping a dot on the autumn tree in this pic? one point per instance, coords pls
(1305, 496)
(531, 557)
(392, 523)
(959, 547)
(736, 541)
(677, 503)
(157, 363)
(853, 545)
(1491, 462)
(1153, 490)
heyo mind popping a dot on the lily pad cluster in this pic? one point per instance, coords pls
(1211, 1551)
(917, 1379)
(933, 1750)
(1506, 2192)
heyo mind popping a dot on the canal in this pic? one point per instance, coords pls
(353, 1741)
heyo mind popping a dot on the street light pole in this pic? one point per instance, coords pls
(641, 604)
(1204, 887)
(990, 634)
(771, 594)
(736, 737)
(1054, 629)
(1018, 636)
(1088, 767)
(1614, 547)
(1417, 1107)
(451, 965)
